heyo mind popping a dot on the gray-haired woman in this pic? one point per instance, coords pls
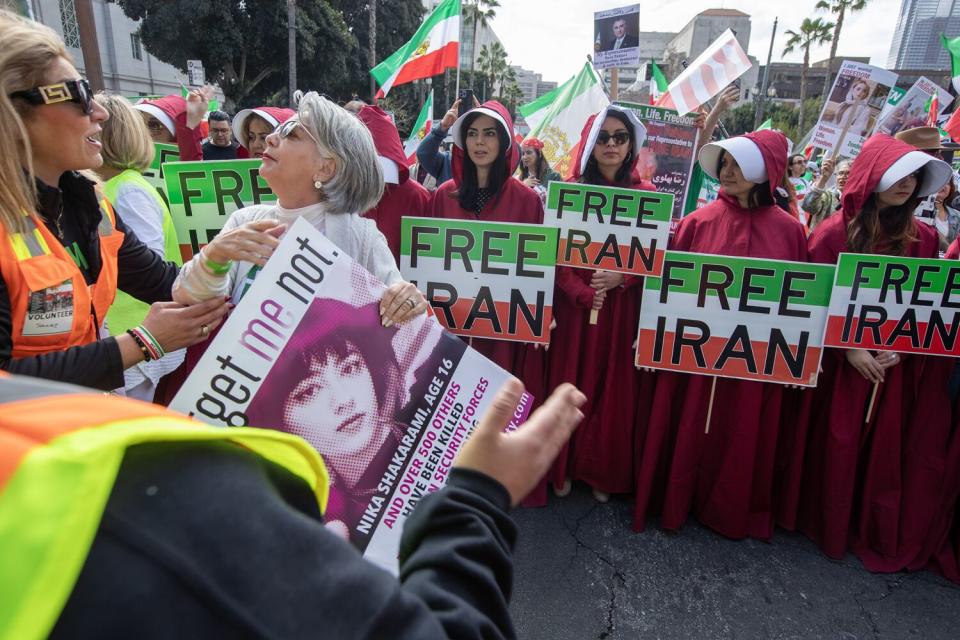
(322, 166)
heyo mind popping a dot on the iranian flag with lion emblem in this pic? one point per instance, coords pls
(421, 128)
(557, 118)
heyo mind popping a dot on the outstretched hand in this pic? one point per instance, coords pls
(519, 459)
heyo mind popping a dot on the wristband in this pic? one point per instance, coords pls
(158, 350)
(217, 268)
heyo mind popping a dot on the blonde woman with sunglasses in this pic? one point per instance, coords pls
(64, 253)
(322, 165)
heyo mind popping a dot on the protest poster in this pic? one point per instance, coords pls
(608, 228)
(667, 156)
(852, 109)
(616, 40)
(387, 408)
(483, 279)
(161, 153)
(732, 317)
(203, 194)
(912, 109)
(892, 303)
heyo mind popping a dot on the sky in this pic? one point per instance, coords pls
(553, 37)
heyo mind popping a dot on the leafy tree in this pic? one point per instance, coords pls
(811, 33)
(839, 8)
(476, 14)
(242, 44)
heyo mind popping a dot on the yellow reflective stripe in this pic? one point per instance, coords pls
(41, 242)
(51, 508)
(105, 228)
(19, 247)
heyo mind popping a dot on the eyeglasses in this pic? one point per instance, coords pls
(619, 138)
(68, 91)
(286, 128)
(155, 125)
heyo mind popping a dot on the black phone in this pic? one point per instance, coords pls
(466, 101)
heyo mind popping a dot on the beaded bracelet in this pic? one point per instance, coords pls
(147, 355)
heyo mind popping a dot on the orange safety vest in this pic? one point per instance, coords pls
(60, 450)
(51, 306)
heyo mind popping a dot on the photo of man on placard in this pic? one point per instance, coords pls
(617, 37)
(621, 39)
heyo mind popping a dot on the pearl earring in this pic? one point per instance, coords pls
(317, 185)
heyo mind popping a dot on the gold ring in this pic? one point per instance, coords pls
(204, 330)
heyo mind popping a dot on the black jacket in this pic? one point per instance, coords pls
(208, 540)
(142, 274)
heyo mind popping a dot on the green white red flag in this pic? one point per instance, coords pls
(557, 118)
(421, 128)
(658, 83)
(952, 45)
(434, 47)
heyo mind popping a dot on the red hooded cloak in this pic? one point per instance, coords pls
(726, 476)
(405, 198)
(876, 486)
(598, 359)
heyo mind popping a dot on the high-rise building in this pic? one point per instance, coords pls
(916, 40)
(531, 83)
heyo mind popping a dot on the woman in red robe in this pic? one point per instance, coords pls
(483, 188)
(598, 358)
(724, 476)
(875, 487)
(402, 196)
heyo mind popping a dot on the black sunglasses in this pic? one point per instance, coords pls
(68, 91)
(620, 138)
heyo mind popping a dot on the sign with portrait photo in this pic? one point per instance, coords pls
(387, 408)
(913, 107)
(616, 37)
(858, 96)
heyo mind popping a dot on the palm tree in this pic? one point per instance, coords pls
(485, 61)
(499, 66)
(838, 8)
(812, 33)
(478, 13)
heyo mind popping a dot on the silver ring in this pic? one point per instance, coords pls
(204, 330)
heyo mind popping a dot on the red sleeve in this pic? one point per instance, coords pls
(578, 291)
(190, 141)
(954, 251)
(827, 240)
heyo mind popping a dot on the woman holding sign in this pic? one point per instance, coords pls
(880, 422)
(712, 452)
(64, 253)
(598, 357)
(485, 156)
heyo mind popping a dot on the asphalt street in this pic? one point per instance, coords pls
(583, 574)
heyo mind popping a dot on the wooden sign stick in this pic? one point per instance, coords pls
(713, 390)
(873, 399)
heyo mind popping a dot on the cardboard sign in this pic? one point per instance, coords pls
(609, 229)
(888, 303)
(203, 194)
(483, 279)
(745, 318)
(853, 106)
(162, 153)
(667, 156)
(387, 408)
(616, 41)
(911, 110)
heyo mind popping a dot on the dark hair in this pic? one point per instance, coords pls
(887, 231)
(218, 116)
(339, 343)
(499, 172)
(759, 195)
(592, 175)
(543, 166)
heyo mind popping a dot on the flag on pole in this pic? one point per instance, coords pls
(720, 64)
(557, 118)
(952, 45)
(767, 124)
(952, 126)
(658, 83)
(434, 47)
(421, 128)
